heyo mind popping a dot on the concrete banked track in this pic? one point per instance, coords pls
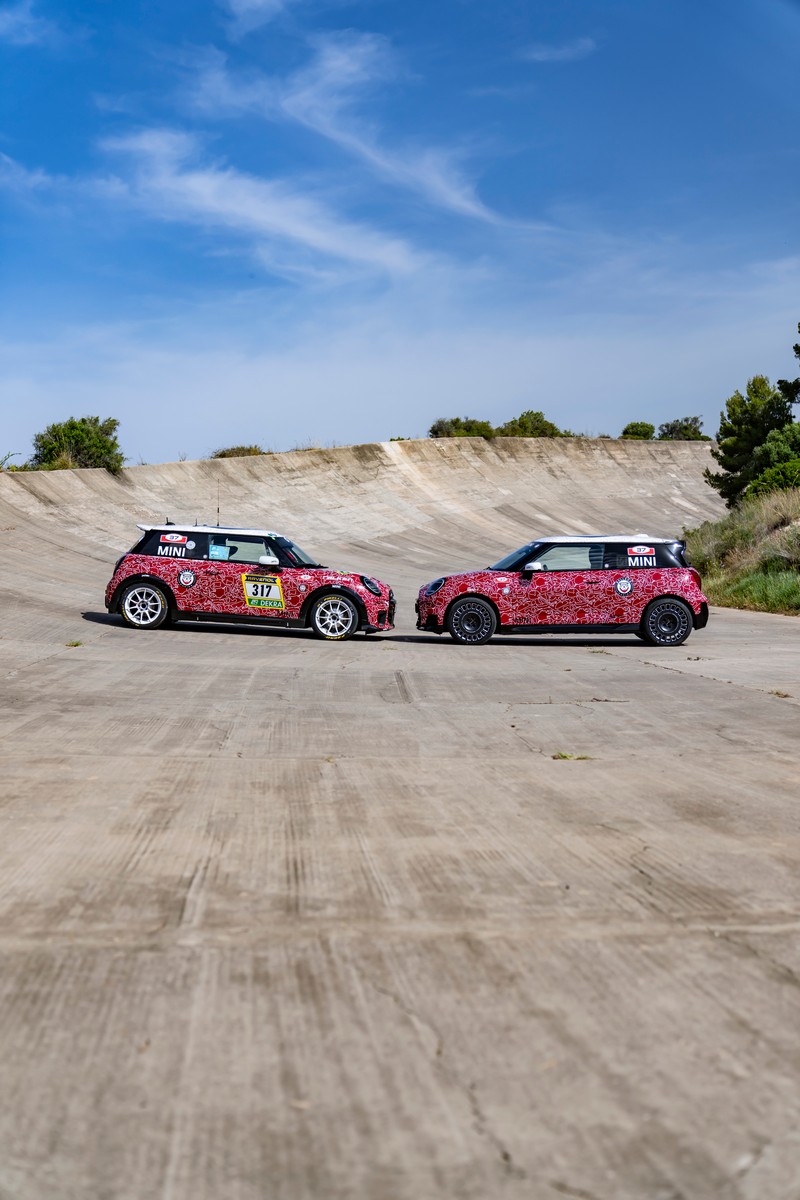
(290, 919)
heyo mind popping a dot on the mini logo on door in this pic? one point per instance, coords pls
(187, 579)
(623, 587)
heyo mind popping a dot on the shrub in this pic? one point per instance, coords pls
(777, 479)
(238, 452)
(78, 442)
(639, 431)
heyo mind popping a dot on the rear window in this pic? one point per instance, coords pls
(629, 555)
(174, 543)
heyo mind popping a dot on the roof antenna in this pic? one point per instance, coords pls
(217, 504)
(168, 522)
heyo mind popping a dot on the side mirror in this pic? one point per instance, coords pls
(534, 566)
(269, 560)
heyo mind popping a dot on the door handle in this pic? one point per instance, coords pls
(213, 571)
(591, 582)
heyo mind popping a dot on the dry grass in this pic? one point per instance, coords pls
(751, 557)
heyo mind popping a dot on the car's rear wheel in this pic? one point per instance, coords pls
(144, 606)
(667, 622)
(334, 618)
(471, 621)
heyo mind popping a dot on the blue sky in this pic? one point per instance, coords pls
(283, 221)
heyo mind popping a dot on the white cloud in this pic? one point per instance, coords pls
(20, 25)
(170, 182)
(543, 52)
(252, 14)
(16, 178)
(322, 97)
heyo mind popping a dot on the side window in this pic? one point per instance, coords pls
(232, 547)
(628, 556)
(572, 558)
(175, 543)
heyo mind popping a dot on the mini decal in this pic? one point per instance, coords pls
(187, 579)
(623, 587)
(171, 551)
(175, 538)
(263, 591)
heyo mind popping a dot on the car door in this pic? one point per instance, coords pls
(243, 585)
(565, 587)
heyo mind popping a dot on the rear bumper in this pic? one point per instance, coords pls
(701, 618)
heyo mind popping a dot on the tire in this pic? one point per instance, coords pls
(667, 622)
(471, 621)
(334, 617)
(144, 606)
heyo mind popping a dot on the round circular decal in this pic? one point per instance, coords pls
(187, 578)
(623, 587)
(190, 545)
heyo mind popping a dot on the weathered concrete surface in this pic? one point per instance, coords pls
(288, 919)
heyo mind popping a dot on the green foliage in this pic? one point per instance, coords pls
(776, 479)
(751, 557)
(781, 446)
(529, 424)
(744, 425)
(639, 431)
(78, 442)
(5, 460)
(790, 388)
(683, 429)
(448, 427)
(238, 452)
(399, 439)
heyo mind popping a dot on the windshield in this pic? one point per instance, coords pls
(516, 556)
(296, 556)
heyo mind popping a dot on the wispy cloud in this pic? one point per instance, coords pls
(21, 26)
(323, 96)
(171, 182)
(252, 14)
(544, 52)
(16, 178)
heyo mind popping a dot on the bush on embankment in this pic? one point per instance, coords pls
(751, 558)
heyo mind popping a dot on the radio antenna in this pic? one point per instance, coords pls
(217, 504)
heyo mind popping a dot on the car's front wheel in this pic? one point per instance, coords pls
(471, 621)
(144, 606)
(667, 622)
(334, 618)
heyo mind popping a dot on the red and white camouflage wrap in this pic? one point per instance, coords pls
(237, 589)
(603, 597)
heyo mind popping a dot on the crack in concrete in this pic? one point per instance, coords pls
(480, 1121)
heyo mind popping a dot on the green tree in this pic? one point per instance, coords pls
(743, 426)
(780, 478)
(639, 431)
(790, 388)
(448, 427)
(683, 429)
(78, 442)
(781, 446)
(529, 424)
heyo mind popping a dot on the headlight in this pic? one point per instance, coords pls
(370, 585)
(434, 587)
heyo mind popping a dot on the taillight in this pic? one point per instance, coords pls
(696, 577)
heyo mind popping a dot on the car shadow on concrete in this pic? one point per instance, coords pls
(427, 639)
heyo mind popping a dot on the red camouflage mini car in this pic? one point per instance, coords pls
(213, 573)
(613, 583)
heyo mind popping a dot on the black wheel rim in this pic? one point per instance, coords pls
(668, 623)
(472, 621)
